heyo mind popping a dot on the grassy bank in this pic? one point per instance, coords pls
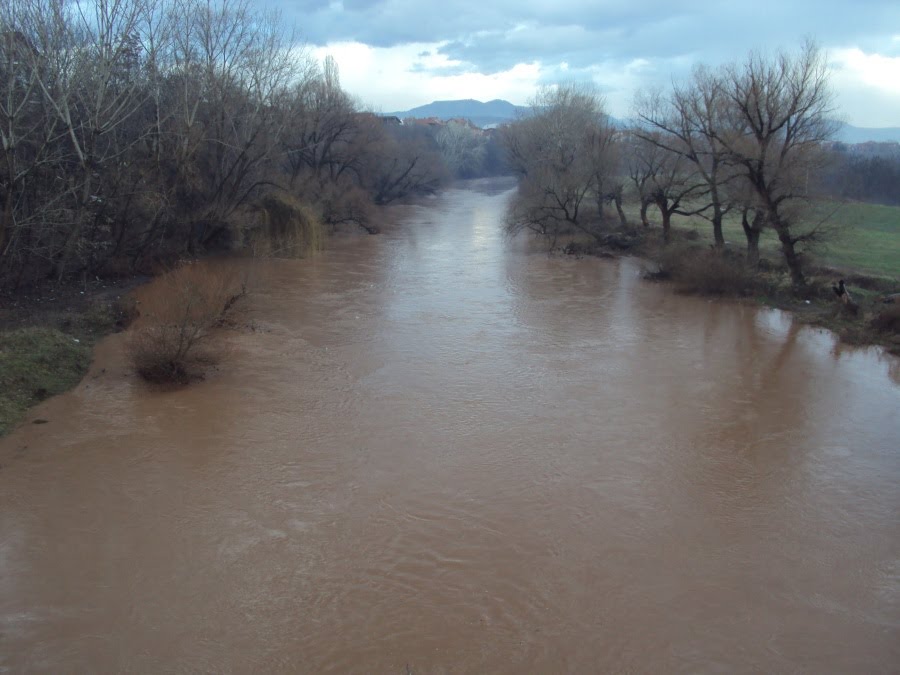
(47, 332)
(46, 338)
(36, 363)
(861, 245)
(862, 238)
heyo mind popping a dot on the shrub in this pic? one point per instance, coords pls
(707, 272)
(888, 319)
(178, 310)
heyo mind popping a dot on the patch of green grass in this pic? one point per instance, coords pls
(859, 237)
(37, 363)
(866, 238)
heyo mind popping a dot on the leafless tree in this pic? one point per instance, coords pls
(406, 162)
(686, 124)
(779, 113)
(26, 132)
(234, 65)
(463, 148)
(664, 178)
(139, 130)
(563, 152)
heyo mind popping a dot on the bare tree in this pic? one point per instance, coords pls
(322, 123)
(91, 86)
(137, 130)
(463, 148)
(235, 65)
(686, 123)
(779, 113)
(563, 153)
(26, 132)
(406, 162)
(666, 179)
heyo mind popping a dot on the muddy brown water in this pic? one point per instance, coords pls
(443, 453)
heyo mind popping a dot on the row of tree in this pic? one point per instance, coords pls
(865, 177)
(747, 138)
(137, 130)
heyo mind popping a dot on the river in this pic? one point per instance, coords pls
(439, 451)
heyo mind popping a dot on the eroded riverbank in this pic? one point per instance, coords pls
(442, 452)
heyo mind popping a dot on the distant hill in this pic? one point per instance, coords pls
(481, 114)
(499, 111)
(850, 134)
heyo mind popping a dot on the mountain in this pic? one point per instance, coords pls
(498, 111)
(481, 114)
(850, 134)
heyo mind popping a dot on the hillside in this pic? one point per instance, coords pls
(850, 134)
(482, 114)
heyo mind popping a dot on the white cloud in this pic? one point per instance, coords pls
(867, 87)
(867, 84)
(406, 76)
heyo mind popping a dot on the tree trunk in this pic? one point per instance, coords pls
(752, 246)
(71, 242)
(791, 257)
(6, 218)
(663, 205)
(645, 204)
(617, 198)
(752, 230)
(717, 229)
(666, 223)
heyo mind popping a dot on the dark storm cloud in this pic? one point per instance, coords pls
(715, 36)
(495, 36)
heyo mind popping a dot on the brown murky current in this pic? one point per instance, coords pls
(443, 453)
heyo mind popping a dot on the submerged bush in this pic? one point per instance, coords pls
(178, 310)
(888, 319)
(707, 272)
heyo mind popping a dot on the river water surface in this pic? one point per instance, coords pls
(439, 452)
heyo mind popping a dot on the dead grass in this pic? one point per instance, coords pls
(178, 312)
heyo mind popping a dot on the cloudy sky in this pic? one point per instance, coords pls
(397, 54)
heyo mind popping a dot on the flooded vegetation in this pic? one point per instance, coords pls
(440, 451)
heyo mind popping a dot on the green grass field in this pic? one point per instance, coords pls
(36, 363)
(860, 237)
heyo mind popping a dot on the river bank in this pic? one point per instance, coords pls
(47, 336)
(693, 268)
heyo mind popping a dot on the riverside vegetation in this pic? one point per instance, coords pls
(138, 133)
(738, 153)
(166, 131)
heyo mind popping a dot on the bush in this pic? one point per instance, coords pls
(178, 311)
(707, 272)
(888, 319)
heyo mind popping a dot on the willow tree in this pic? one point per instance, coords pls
(686, 123)
(564, 154)
(779, 113)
